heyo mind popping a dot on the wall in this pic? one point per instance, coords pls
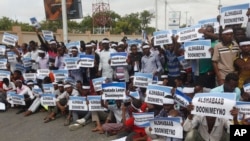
(25, 37)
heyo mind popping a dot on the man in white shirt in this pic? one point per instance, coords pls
(42, 60)
(104, 67)
(22, 89)
(62, 101)
(206, 128)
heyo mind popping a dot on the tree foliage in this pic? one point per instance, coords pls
(130, 23)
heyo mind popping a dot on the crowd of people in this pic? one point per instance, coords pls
(227, 71)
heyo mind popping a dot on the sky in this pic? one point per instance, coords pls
(191, 10)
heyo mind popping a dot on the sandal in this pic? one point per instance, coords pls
(49, 119)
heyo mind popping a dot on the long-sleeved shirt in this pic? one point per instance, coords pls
(151, 64)
(200, 123)
(104, 66)
(65, 94)
(25, 90)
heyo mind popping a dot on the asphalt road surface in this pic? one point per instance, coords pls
(15, 127)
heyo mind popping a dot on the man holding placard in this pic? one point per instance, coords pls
(224, 54)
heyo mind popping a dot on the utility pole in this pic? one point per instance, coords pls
(186, 18)
(64, 20)
(156, 16)
(165, 14)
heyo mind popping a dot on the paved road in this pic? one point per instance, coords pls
(15, 127)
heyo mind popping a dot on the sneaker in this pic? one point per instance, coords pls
(74, 126)
(81, 121)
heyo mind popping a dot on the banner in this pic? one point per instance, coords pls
(87, 61)
(29, 76)
(189, 33)
(162, 37)
(114, 91)
(212, 22)
(235, 14)
(73, 44)
(48, 88)
(214, 104)
(17, 99)
(9, 39)
(27, 62)
(48, 35)
(142, 79)
(3, 64)
(2, 49)
(37, 91)
(20, 67)
(95, 103)
(197, 49)
(156, 93)
(35, 23)
(167, 126)
(97, 83)
(181, 98)
(4, 74)
(41, 73)
(118, 59)
(244, 108)
(48, 99)
(11, 56)
(60, 75)
(246, 87)
(186, 64)
(2, 106)
(53, 9)
(134, 94)
(71, 63)
(78, 103)
(142, 119)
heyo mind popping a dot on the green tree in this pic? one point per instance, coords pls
(86, 24)
(5, 24)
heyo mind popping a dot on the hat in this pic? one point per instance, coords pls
(55, 83)
(228, 30)
(120, 43)
(40, 51)
(105, 41)
(244, 43)
(145, 46)
(113, 45)
(89, 45)
(188, 90)
(30, 83)
(168, 100)
(86, 87)
(67, 86)
(52, 42)
(60, 85)
(164, 76)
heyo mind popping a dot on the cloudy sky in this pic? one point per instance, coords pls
(196, 10)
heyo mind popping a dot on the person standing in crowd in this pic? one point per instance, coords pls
(61, 54)
(76, 75)
(91, 73)
(172, 62)
(206, 72)
(224, 55)
(104, 67)
(150, 62)
(230, 85)
(43, 59)
(242, 63)
(134, 60)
